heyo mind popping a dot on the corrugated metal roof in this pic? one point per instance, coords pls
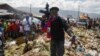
(2, 14)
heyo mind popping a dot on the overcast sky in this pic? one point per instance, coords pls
(92, 6)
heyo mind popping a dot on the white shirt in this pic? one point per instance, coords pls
(26, 26)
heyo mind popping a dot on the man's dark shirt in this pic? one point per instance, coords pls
(58, 26)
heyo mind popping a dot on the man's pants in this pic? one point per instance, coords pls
(14, 34)
(57, 48)
(27, 33)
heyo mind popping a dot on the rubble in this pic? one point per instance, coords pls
(41, 45)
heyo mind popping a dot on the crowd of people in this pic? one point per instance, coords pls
(93, 23)
(17, 28)
(88, 23)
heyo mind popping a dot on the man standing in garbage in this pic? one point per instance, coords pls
(57, 28)
(27, 28)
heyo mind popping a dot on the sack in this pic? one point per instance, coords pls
(20, 40)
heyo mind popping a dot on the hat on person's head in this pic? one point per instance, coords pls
(54, 8)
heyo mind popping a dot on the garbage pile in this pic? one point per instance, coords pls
(87, 44)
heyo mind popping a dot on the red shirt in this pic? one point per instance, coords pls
(15, 27)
